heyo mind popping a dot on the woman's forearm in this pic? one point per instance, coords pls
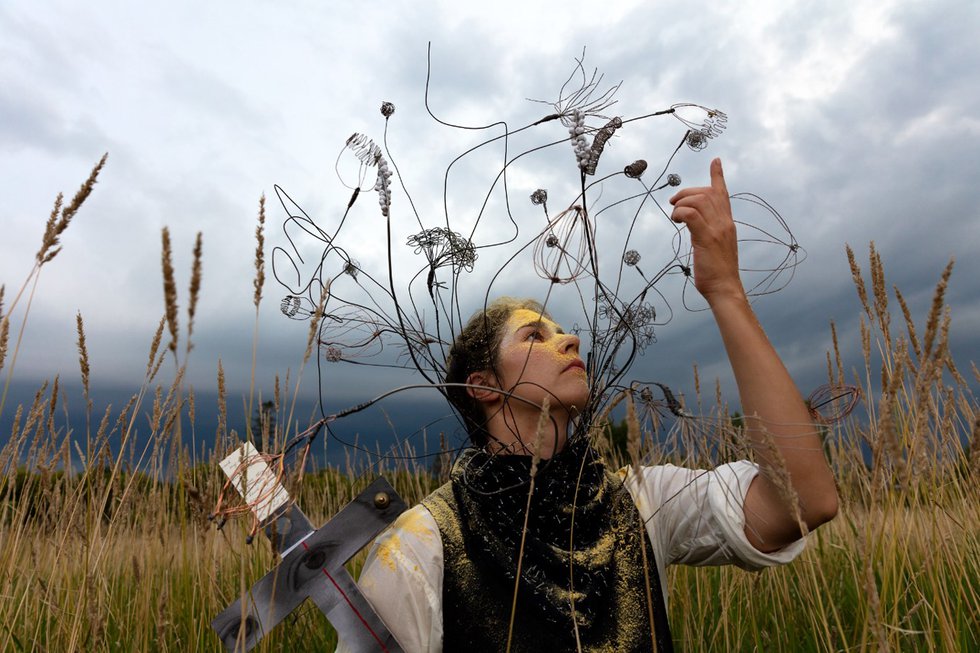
(776, 419)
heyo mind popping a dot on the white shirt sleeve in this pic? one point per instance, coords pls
(402, 579)
(696, 516)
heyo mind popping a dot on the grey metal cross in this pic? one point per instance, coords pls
(313, 567)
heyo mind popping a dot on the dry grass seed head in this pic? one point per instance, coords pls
(633, 435)
(880, 294)
(938, 300)
(539, 436)
(315, 321)
(858, 280)
(194, 290)
(169, 289)
(276, 394)
(37, 409)
(49, 239)
(259, 254)
(602, 423)
(896, 373)
(156, 366)
(83, 192)
(4, 338)
(53, 403)
(157, 409)
(222, 406)
(837, 358)
(778, 475)
(55, 225)
(173, 412)
(104, 424)
(954, 370)
(154, 347)
(942, 347)
(909, 323)
(865, 341)
(83, 358)
(697, 383)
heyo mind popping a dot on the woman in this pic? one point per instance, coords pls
(589, 554)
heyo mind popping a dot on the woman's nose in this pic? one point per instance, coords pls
(571, 343)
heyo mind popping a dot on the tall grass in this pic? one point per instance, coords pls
(100, 550)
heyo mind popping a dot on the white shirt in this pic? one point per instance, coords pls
(693, 517)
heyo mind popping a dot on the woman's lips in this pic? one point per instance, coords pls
(575, 364)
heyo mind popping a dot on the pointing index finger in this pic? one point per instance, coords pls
(718, 177)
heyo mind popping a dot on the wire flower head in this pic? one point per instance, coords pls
(585, 98)
(442, 246)
(370, 156)
(710, 122)
(580, 144)
(696, 140)
(831, 403)
(636, 169)
(540, 196)
(387, 108)
(382, 186)
(560, 253)
(632, 316)
(366, 151)
(601, 137)
(297, 308)
(633, 322)
(355, 331)
(351, 268)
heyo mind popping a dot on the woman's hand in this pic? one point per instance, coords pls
(707, 212)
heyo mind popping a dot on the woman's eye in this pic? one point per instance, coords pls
(534, 335)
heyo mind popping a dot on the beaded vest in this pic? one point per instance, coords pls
(605, 578)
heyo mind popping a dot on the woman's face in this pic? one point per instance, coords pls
(537, 359)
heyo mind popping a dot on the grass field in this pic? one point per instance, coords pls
(108, 557)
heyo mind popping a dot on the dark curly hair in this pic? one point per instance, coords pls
(476, 349)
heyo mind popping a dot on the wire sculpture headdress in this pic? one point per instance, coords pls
(595, 251)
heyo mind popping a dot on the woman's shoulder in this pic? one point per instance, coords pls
(441, 496)
(411, 543)
(415, 524)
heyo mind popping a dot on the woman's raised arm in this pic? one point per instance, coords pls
(776, 418)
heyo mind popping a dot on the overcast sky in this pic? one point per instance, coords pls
(858, 120)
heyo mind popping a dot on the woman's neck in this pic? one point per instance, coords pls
(520, 432)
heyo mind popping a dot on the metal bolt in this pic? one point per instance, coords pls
(381, 500)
